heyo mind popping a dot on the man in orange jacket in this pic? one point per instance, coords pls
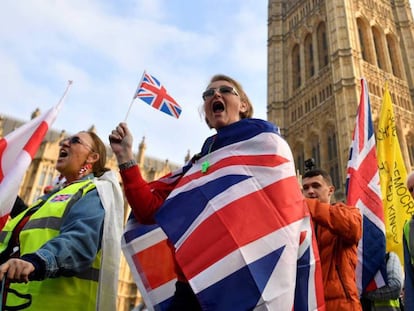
(338, 229)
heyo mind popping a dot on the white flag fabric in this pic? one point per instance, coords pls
(17, 150)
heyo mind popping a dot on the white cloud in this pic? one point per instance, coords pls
(104, 46)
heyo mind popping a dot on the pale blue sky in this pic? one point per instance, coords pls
(104, 46)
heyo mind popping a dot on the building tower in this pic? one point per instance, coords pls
(318, 51)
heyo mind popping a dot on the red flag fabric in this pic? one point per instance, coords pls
(17, 150)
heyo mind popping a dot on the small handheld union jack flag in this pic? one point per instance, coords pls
(151, 91)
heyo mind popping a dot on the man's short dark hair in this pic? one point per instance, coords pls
(316, 172)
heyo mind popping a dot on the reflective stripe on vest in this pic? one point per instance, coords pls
(387, 303)
(50, 223)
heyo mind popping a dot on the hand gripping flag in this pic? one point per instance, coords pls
(242, 230)
(152, 92)
(17, 150)
(363, 191)
(397, 201)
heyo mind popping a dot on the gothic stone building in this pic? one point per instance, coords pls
(42, 171)
(318, 50)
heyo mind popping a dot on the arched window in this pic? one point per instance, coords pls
(364, 42)
(296, 67)
(334, 172)
(300, 159)
(394, 56)
(309, 62)
(379, 48)
(315, 151)
(332, 162)
(322, 46)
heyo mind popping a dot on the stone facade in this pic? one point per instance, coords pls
(318, 50)
(42, 171)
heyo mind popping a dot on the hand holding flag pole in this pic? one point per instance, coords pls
(152, 92)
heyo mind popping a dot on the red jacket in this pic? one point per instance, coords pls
(338, 229)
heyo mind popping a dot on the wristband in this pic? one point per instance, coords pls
(126, 165)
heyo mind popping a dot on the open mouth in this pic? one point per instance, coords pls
(63, 153)
(218, 107)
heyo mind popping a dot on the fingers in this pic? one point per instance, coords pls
(114, 137)
(124, 128)
(17, 270)
(118, 134)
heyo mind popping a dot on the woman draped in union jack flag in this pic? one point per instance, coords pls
(234, 216)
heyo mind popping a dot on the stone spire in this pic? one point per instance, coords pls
(187, 157)
(35, 113)
(92, 128)
(141, 152)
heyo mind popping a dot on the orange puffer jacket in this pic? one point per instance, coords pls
(338, 229)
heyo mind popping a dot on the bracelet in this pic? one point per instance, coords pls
(126, 165)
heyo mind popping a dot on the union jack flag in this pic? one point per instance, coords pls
(61, 197)
(151, 91)
(364, 192)
(243, 238)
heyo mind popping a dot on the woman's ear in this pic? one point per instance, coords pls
(93, 157)
(243, 106)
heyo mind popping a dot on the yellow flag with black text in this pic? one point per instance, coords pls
(397, 201)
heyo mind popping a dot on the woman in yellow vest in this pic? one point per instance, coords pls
(63, 251)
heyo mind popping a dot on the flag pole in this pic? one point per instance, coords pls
(57, 107)
(135, 94)
(129, 109)
(70, 82)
